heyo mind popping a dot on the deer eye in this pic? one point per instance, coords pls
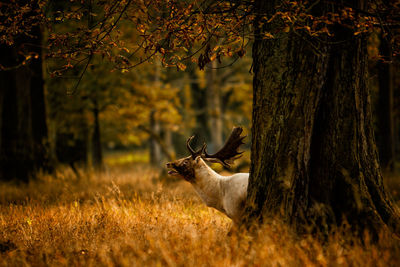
(185, 163)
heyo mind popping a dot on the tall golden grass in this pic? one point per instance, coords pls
(129, 217)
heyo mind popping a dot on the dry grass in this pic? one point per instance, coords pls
(130, 218)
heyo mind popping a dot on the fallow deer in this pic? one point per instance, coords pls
(224, 193)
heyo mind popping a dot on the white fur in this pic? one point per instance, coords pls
(224, 193)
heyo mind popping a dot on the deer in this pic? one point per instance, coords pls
(224, 193)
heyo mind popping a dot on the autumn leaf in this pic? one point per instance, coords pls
(181, 66)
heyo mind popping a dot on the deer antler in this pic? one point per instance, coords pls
(229, 152)
(191, 150)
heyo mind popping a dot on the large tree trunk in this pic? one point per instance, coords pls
(23, 149)
(314, 160)
(17, 161)
(386, 138)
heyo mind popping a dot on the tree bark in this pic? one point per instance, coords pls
(199, 104)
(313, 157)
(17, 161)
(213, 108)
(23, 149)
(97, 152)
(386, 138)
(169, 146)
(39, 123)
(155, 128)
(155, 149)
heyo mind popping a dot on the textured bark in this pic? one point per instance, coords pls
(313, 157)
(386, 138)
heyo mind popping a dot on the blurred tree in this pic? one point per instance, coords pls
(23, 128)
(97, 151)
(198, 103)
(214, 112)
(68, 119)
(155, 150)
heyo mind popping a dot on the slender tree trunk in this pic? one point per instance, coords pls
(97, 152)
(155, 150)
(214, 108)
(169, 145)
(313, 156)
(199, 104)
(39, 123)
(155, 128)
(386, 138)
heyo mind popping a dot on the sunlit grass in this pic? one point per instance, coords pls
(128, 217)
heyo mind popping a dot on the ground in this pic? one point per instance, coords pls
(128, 216)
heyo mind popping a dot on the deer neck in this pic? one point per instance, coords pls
(207, 184)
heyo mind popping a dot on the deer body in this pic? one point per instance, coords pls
(224, 193)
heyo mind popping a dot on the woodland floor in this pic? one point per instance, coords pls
(127, 216)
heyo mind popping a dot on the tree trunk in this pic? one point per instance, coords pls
(199, 104)
(155, 149)
(97, 152)
(39, 123)
(17, 161)
(155, 129)
(169, 146)
(386, 143)
(23, 149)
(213, 108)
(313, 156)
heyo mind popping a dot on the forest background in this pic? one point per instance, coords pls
(116, 107)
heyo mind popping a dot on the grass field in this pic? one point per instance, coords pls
(129, 217)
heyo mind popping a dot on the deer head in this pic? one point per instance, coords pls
(186, 167)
